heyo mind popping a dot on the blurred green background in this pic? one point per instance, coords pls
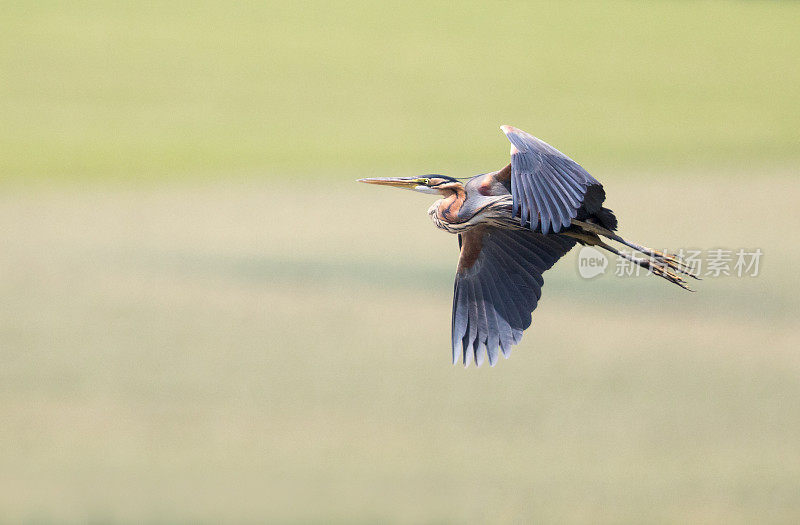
(205, 319)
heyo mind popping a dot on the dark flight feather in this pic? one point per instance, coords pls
(498, 284)
(548, 188)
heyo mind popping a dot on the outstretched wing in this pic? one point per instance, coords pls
(498, 285)
(547, 186)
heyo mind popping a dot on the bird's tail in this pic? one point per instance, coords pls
(666, 265)
(607, 218)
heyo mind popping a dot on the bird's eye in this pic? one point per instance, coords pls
(425, 181)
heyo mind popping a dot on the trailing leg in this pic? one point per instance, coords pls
(668, 260)
(656, 267)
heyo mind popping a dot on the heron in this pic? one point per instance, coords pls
(513, 225)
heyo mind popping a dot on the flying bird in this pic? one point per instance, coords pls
(513, 225)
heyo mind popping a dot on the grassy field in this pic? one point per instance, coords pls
(199, 323)
(101, 90)
(187, 354)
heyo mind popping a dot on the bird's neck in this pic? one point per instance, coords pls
(495, 210)
(449, 207)
(445, 212)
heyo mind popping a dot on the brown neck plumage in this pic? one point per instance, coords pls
(450, 205)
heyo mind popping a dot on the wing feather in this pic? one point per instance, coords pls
(545, 213)
(502, 312)
(498, 285)
(493, 327)
(547, 187)
(460, 320)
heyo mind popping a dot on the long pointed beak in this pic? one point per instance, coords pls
(397, 182)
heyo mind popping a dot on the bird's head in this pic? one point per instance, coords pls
(433, 184)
